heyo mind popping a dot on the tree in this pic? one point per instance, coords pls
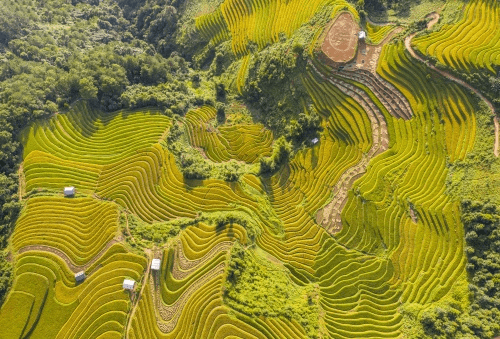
(221, 112)
(281, 154)
(304, 129)
(88, 91)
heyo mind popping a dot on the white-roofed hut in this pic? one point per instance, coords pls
(156, 264)
(80, 276)
(128, 284)
(69, 191)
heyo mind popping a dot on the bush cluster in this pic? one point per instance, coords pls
(281, 154)
(256, 287)
(274, 86)
(302, 130)
(159, 232)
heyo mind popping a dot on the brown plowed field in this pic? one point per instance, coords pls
(341, 41)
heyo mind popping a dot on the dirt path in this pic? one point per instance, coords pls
(434, 20)
(362, 70)
(138, 298)
(22, 182)
(73, 267)
(330, 215)
(497, 132)
(128, 229)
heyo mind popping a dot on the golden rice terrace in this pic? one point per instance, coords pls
(331, 174)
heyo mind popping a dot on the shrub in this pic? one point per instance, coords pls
(221, 112)
(282, 150)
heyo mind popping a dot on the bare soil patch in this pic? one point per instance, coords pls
(341, 41)
(22, 182)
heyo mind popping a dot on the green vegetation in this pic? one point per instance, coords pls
(482, 227)
(55, 53)
(406, 11)
(187, 129)
(255, 286)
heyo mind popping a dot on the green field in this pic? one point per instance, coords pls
(287, 196)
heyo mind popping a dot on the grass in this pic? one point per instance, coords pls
(409, 13)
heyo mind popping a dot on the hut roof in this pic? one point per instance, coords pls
(70, 190)
(128, 284)
(80, 276)
(155, 264)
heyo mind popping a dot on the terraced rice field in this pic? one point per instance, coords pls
(51, 305)
(79, 227)
(471, 44)
(259, 22)
(242, 142)
(355, 227)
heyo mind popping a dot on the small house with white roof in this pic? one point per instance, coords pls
(80, 276)
(155, 264)
(128, 284)
(69, 191)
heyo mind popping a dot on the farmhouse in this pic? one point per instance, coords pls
(128, 284)
(155, 264)
(314, 141)
(362, 35)
(80, 276)
(69, 191)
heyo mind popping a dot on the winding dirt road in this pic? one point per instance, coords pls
(22, 182)
(363, 71)
(329, 216)
(434, 19)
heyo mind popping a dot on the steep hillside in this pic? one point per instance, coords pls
(297, 170)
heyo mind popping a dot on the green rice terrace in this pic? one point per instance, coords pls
(249, 169)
